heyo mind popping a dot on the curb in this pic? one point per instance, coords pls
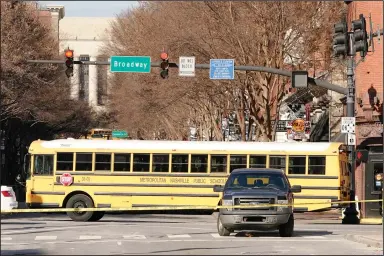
(365, 240)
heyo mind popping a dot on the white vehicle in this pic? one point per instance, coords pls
(8, 198)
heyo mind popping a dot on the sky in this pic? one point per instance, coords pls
(92, 8)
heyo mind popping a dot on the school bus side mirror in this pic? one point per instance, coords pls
(218, 188)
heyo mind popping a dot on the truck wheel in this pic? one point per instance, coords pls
(97, 216)
(80, 201)
(286, 230)
(221, 229)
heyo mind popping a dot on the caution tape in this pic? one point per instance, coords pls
(198, 207)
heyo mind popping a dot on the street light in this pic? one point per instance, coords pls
(69, 62)
(164, 65)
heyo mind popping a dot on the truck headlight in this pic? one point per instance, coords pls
(282, 202)
(228, 202)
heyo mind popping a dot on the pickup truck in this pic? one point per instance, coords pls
(249, 187)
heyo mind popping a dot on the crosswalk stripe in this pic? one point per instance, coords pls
(45, 237)
(6, 238)
(314, 237)
(179, 236)
(89, 237)
(134, 237)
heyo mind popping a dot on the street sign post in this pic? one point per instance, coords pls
(131, 64)
(348, 124)
(222, 69)
(187, 66)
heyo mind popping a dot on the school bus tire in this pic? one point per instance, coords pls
(97, 216)
(83, 201)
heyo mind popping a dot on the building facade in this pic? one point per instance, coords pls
(369, 110)
(86, 36)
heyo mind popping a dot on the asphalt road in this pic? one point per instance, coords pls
(172, 234)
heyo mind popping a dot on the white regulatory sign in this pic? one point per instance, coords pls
(351, 137)
(187, 66)
(348, 124)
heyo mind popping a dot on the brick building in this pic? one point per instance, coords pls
(369, 100)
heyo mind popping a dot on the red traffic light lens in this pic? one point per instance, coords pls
(164, 55)
(69, 53)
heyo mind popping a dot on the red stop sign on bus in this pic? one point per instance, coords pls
(66, 179)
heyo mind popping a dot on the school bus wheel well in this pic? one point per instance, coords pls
(76, 192)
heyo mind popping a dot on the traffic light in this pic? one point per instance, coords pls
(164, 65)
(69, 62)
(362, 155)
(340, 39)
(359, 28)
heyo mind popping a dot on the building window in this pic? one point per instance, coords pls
(84, 79)
(64, 162)
(160, 163)
(316, 165)
(199, 163)
(122, 163)
(102, 84)
(296, 165)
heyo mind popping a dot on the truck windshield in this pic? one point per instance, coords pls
(257, 180)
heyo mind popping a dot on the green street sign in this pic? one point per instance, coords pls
(133, 64)
(119, 134)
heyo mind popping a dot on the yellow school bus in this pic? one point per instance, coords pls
(138, 173)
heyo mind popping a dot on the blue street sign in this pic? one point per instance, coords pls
(119, 134)
(222, 69)
(133, 64)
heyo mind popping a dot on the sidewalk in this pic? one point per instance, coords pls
(375, 240)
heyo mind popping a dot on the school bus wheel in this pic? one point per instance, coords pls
(80, 201)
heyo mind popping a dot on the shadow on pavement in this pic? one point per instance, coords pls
(22, 252)
(194, 248)
(276, 234)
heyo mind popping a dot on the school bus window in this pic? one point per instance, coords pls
(257, 161)
(64, 162)
(141, 162)
(43, 165)
(122, 163)
(103, 162)
(237, 161)
(180, 163)
(160, 162)
(316, 165)
(296, 165)
(83, 161)
(199, 163)
(277, 162)
(218, 163)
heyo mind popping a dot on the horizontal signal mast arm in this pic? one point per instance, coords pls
(316, 82)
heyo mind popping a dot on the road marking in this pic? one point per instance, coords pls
(89, 237)
(6, 238)
(134, 237)
(45, 237)
(217, 236)
(179, 236)
(314, 237)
